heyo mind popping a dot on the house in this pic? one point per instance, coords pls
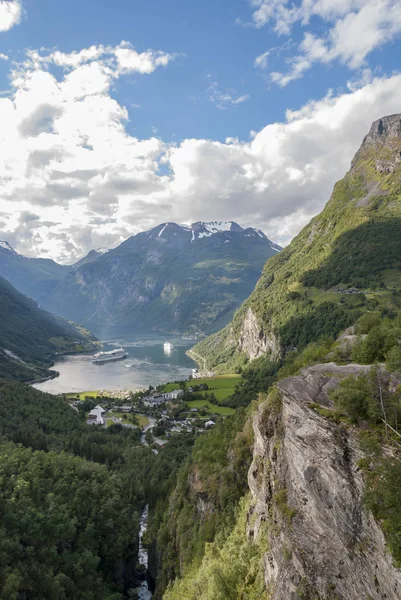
(126, 409)
(95, 416)
(160, 443)
(174, 395)
(155, 400)
(194, 410)
(209, 424)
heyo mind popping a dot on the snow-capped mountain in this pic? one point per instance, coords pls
(202, 229)
(181, 278)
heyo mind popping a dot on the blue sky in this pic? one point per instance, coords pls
(212, 47)
(266, 72)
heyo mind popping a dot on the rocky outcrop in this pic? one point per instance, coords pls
(254, 341)
(385, 132)
(307, 488)
(204, 506)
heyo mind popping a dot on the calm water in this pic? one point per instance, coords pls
(145, 364)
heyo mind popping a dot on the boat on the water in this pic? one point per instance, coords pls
(103, 357)
(168, 347)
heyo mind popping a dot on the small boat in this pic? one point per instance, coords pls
(168, 347)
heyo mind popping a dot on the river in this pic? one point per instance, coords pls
(146, 364)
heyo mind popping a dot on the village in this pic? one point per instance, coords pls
(158, 414)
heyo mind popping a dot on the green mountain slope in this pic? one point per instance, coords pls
(173, 278)
(346, 261)
(30, 338)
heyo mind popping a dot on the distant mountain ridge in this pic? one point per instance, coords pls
(173, 278)
(90, 257)
(34, 277)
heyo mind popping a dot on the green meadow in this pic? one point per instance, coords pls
(212, 408)
(222, 386)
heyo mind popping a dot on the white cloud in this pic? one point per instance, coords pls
(224, 98)
(354, 29)
(285, 175)
(10, 14)
(68, 158)
(3, 56)
(130, 61)
(262, 61)
(121, 59)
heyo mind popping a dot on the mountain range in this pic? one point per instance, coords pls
(174, 278)
(345, 262)
(294, 496)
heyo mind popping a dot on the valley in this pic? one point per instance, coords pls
(276, 478)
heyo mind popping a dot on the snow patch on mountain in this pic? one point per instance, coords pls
(205, 229)
(275, 247)
(6, 246)
(161, 230)
(217, 227)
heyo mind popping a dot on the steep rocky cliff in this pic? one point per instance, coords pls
(346, 261)
(304, 530)
(307, 493)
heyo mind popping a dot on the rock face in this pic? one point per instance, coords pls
(384, 133)
(254, 342)
(307, 486)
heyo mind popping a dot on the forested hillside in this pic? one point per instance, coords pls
(344, 263)
(30, 338)
(71, 499)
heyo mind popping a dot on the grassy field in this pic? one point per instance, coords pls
(222, 386)
(83, 395)
(212, 408)
(142, 420)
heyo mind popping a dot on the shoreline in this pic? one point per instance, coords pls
(198, 359)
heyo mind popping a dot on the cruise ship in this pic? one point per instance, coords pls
(168, 347)
(102, 357)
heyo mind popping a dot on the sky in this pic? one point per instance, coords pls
(118, 116)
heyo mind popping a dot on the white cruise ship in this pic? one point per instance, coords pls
(168, 347)
(102, 357)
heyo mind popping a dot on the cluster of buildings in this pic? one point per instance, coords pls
(161, 397)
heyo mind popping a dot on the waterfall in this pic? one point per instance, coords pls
(143, 592)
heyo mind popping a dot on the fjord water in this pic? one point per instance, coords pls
(146, 364)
